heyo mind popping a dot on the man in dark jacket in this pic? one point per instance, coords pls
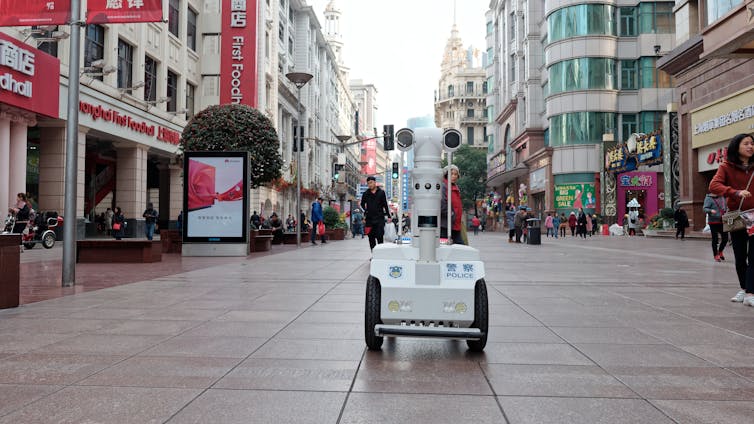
(374, 204)
(317, 217)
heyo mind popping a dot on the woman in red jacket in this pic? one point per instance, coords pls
(733, 180)
(455, 205)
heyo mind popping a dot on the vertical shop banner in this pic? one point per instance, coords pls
(238, 62)
(215, 196)
(29, 78)
(369, 157)
(575, 196)
(34, 12)
(123, 11)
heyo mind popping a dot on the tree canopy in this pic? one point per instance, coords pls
(233, 127)
(472, 163)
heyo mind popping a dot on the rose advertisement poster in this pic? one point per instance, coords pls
(215, 196)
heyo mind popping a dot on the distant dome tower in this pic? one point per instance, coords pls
(332, 32)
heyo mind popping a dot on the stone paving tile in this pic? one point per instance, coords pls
(259, 316)
(209, 347)
(707, 412)
(607, 355)
(522, 335)
(18, 342)
(619, 335)
(337, 307)
(392, 408)
(148, 328)
(52, 369)
(113, 405)
(427, 377)
(165, 372)
(52, 325)
(105, 312)
(336, 317)
(15, 396)
(685, 383)
(337, 350)
(555, 381)
(723, 356)
(257, 406)
(405, 349)
(540, 410)
(290, 374)
(533, 354)
(300, 329)
(102, 344)
(179, 314)
(235, 329)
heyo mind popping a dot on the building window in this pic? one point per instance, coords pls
(484, 87)
(628, 125)
(628, 22)
(94, 45)
(49, 47)
(210, 85)
(629, 75)
(586, 73)
(717, 8)
(469, 113)
(281, 31)
(172, 91)
(650, 121)
(469, 87)
(650, 76)
(580, 20)
(512, 70)
(490, 27)
(512, 27)
(290, 46)
(211, 44)
(656, 18)
(150, 79)
(125, 64)
(580, 128)
(470, 136)
(174, 16)
(190, 100)
(191, 29)
(211, 6)
(450, 91)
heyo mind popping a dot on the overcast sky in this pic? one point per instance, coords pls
(397, 45)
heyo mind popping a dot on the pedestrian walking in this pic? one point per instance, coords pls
(715, 208)
(317, 217)
(150, 218)
(563, 225)
(519, 222)
(556, 224)
(357, 223)
(581, 222)
(549, 228)
(681, 222)
(589, 225)
(119, 223)
(510, 217)
(374, 204)
(476, 223)
(109, 221)
(572, 223)
(733, 180)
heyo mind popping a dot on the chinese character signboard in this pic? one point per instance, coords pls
(238, 63)
(215, 197)
(575, 196)
(627, 157)
(34, 12)
(636, 180)
(25, 71)
(123, 11)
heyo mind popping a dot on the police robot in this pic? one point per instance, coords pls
(425, 288)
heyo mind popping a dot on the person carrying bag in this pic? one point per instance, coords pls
(732, 180)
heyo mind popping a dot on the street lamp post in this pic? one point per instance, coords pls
(342, 190)
(299, 79)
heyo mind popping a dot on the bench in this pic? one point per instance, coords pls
(107, 251)
(260, 240)
(290, 238)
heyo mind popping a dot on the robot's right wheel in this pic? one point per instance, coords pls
(372, 314)
(481, 316)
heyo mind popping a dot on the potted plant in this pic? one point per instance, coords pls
(334, 229)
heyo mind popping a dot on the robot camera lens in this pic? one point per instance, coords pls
(428, 186)
(417, 185)
(437, 186)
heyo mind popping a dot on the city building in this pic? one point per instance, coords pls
(712, 64)
(462, 90)
(572, 82)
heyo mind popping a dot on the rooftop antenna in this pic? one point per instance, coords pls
(454, 12)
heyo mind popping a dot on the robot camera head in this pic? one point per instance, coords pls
(451, 140)
(405, 139)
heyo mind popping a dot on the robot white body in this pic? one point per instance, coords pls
(425, 289)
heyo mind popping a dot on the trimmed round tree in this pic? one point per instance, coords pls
(233, 127)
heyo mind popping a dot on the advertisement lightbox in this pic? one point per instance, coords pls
(215, 197)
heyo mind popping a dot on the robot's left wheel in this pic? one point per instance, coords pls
(372, 314)
(481, 316)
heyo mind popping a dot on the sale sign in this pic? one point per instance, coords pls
(123, 11)
(29, 78)
(238, 63)
(34, 12)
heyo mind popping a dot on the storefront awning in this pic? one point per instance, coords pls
(509, 175)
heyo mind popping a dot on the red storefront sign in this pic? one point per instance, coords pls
(25, 71)
(34, 12)
(238, 63)
(111, 115)
(123, 11)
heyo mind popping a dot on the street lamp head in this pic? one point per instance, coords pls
(343, 138)
(299, 79)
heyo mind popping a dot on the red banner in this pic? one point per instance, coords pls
(123, 11)
(29, 78)
(34, 12)
(238, 63)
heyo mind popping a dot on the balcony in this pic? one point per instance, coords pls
(474, 120)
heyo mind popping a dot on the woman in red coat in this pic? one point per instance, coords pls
(455, 205)
(733, 180)
(572, 223)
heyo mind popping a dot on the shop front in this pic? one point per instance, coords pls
(642, 186)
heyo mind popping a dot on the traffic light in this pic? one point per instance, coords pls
(389, 137)
(337, 169)
(395, 170)
(298, 138)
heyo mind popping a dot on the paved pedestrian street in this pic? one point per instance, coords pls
(602, 330)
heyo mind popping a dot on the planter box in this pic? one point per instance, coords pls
(336, 234)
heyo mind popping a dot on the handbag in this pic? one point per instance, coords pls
(732, 220)
(116, 226)
(320, 229)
